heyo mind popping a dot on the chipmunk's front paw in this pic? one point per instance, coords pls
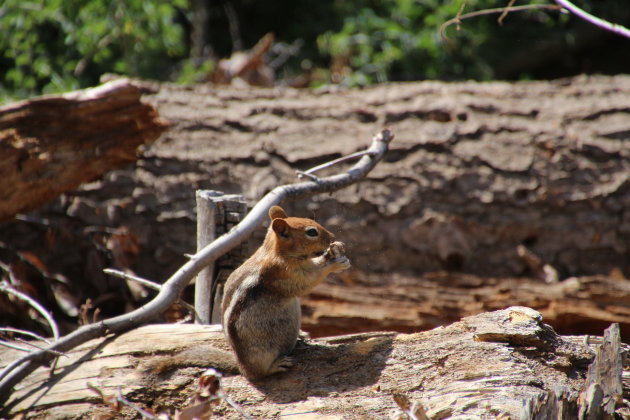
(336, 256)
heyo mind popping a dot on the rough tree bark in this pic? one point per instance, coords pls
(477, 170)
(53, 144)
(503, 364)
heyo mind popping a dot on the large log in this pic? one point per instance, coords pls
(503, 364)
(476, 170)
(53, 144)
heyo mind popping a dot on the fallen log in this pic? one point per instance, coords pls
(360, 303)
(53, 144)
(503, 364)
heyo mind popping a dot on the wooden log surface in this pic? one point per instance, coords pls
(407, 303)
(476, 170)
(53, 144)
(493, 365)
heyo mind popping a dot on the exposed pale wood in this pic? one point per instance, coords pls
(407, 303)
(53, 144)
(603, 388)
(488, 365)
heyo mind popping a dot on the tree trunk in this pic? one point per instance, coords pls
(53, 144)
(503, 364)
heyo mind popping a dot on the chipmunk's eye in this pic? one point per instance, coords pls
(312, 232)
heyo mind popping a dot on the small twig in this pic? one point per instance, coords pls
(458, 18)
(14, 346)
(309, 173)
(302, 175)
(37, 346)
(505, 12)
(24, 332)
(604, 24)
(148, 283)
(7, 288)
(7, 269)
(121, 274)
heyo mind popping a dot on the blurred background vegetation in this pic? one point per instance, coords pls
(57, 45)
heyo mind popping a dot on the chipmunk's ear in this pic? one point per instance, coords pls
(281, 227)
(276, 212)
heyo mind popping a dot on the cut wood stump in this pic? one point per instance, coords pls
(53, 144)
(502, 364)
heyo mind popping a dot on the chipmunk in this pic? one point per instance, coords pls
(261, 307)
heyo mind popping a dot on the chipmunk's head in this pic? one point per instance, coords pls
(298, 237)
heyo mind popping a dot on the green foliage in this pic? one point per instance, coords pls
(56, 45)
(194, 71)
(383, 40)
(400, 40)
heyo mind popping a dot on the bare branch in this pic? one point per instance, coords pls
(24, 332)
(148, 283)
(459, 17)
(14, 346)
(604, 24)
(126, 276)
(171, 289)
(303, 174)
(7, 288)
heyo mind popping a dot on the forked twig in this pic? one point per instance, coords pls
(171, 289)
(459, 17)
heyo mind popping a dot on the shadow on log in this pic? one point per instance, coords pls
(503, 364)
(53, 144)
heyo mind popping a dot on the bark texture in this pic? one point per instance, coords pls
(476, 170)
(505, 364)
(53, 144)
